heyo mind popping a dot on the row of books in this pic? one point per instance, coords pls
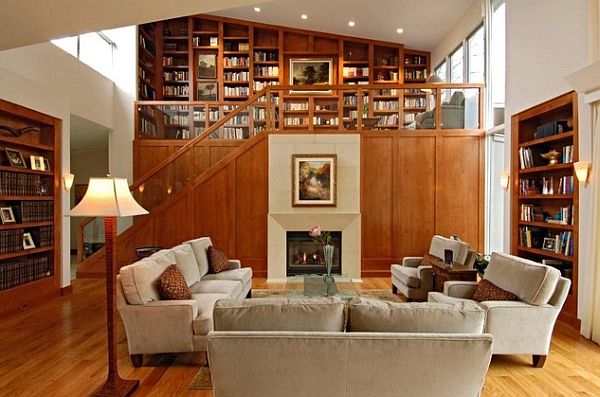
(177, 119)
(235, 46)
(565, 185)
(34, 211)
(415, 74)
(263, 56)
(148, 45)
(414, 102)
(326, 120)
(386, 105)
(235, 61)
(530, 237)
(181, 75)
(11, 241)
(24, 270)
(236, 91)
(567, 154)
(18, 184)
(259, 85)
(269, 71)
(294, 121)
(564, 216)
(356, 72)
(172, 61)
(415, 59)
(212, 41)
(177, 90)
(234, 133)
(527, 158)
(563, 244)
(236, 76)
(534, 237)
(238, 119)
(388, 119)
(530, 213)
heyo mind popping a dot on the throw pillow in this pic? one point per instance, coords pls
(172, 286)
(488, 291)
(217, 260)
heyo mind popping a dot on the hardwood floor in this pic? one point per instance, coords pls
(57, 349)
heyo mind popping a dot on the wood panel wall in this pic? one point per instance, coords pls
(415, 186)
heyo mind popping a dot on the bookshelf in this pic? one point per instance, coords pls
(29, 207)
(545, 193)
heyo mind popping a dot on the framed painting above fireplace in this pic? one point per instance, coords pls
(314, 180)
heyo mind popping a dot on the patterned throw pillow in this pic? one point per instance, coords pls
(172, 285)
(488, 291)
(217, 260)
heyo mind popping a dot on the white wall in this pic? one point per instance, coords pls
(545, 41)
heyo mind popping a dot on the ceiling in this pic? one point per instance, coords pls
(425, 22)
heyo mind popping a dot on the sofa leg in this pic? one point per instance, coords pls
(394, 289)
(539, 360)
(249, 295)
(137, 360)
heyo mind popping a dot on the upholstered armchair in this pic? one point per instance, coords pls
(522, 326)
(415, 279)
(453, 114)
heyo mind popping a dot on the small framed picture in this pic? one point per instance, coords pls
(15, 158)
(37, 163)
(207, 66)
(7, 215)
(28, 241)
(549, 244)
(207, 90)
(47, 164)
(314, 179)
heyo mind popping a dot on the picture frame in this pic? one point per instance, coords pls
(37, 163)
(15, 157)
(310, 72)
(549, 244)
(208, 90)
(7, 215)
(47, 165)
(207, 66)
(314, 180)
(28, 241)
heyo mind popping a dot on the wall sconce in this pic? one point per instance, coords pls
(68, 181)
(504, 180)
(582, 170)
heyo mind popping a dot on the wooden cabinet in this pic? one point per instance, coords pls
(29, 206)
(545, 192)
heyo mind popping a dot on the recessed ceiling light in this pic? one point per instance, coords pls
(399, 30)
(351, 23)
(257, 9)
(304, 16)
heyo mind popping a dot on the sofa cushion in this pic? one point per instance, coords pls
(373, 315)
(408, 276)
(217, 260)
(139, 281)
(203, 323)
(232, 288)
(163, 257)
(200, 246)
(172, 285)
(243, 274)
(280, 314)
(488, 291)
(440, 297)
(440, 243)
(186, 261)
(530, 281)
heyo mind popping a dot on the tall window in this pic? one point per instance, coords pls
(441, 71)
(498, 60)
(457, 65)
(94, 49)
(476, 55)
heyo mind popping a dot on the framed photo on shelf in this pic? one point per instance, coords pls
(207, 66)
(310, 72)
(549, 244)
(314, 180)
(37, 163)
(28, 241)
(47, 165)
(207, 90)
(15, 158)
(7, 215)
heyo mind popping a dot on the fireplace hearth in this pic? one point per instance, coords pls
(304, 256)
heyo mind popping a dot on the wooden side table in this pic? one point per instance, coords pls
(443, 272)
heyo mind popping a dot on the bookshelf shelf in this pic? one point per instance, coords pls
(546, 168)
(554, 138)
(546, 197)
(25, 253)
(547, 225)
(542, 252)
(11, 226)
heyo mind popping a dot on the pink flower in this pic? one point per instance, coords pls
(315, 231)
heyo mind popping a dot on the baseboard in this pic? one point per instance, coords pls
(66, 290)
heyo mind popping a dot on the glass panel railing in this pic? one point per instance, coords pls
(90, 237)
(461, 110)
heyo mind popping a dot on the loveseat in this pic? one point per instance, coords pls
(301, 347)
(173, 326)
(522, 326)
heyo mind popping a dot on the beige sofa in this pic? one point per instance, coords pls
(298, 347)
(167, 326)
(519, 327)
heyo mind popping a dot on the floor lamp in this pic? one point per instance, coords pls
(110, 198)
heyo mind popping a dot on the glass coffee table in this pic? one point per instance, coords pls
(314, 285)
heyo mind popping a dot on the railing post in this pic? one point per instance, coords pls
(359, 110)
(269, 125)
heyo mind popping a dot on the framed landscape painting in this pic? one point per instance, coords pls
(311, 72)
(207, 66)
(207, 90)
(314, 180)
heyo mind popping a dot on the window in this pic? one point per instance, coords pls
(457, 65)
(94, 49)
(441, 71)
(476, 55)
(498, 57)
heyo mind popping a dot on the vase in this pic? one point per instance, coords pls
(328, 251)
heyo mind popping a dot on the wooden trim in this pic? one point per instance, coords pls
(68, 290)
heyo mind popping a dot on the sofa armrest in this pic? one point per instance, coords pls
(412, 261)
(234, 264)
(460, 289)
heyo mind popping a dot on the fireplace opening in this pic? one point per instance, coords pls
(304, 256)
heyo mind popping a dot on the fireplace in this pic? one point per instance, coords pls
(304, 256)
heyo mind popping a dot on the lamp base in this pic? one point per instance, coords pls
(116, 387)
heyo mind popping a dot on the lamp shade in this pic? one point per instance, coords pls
(582, 169)
(107, 197)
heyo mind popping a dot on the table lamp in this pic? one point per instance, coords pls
(110, 198)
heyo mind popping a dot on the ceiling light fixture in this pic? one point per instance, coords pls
(304, 16)
(351, 23)
(257, 9)
(400, 30)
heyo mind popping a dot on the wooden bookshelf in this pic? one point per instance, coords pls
(543, 191)
(30, 205)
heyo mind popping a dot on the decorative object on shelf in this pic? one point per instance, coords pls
(549, 244)
(309, 72)
(47, 165)
(448, 257)
(42, 189)
(323, 237)
(28, 241)
(68, 179)
(207, 90)
(207, 66)
(314, 178)
(110, 198)
(504, 180)
(553, 156)
(582, 170)
(37, 163)
(15, 158)
(7, 215)
(18, 132)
